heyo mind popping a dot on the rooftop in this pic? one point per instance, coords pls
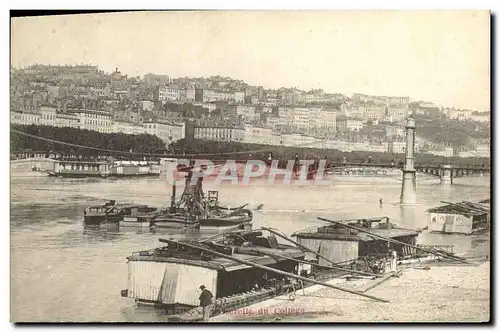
(464, 208)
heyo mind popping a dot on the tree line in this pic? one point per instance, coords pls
(142, 143)
(213, 150)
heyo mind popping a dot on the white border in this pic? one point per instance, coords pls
(186, 4)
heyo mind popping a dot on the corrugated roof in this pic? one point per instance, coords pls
(390, 233)
(463, 208)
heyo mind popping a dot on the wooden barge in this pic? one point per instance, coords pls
(462, 217)
(244, 267)
(112, 213)
(193, 211)
(169, 276)
(346, 246)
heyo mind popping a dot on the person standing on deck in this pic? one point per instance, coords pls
(394, 261)
(206, 302)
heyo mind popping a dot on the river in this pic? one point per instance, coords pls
(63, 272)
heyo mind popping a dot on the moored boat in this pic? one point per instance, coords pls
(138, 220)
(238, 219)
(103, 169)
(169, 276)
(111, 212)
(462, 217)
(175, 220)
(347, 246)
(195, 210)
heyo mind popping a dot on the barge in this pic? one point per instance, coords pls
(239, 268)
(245, 267)
(142, 219)
(169, 276)
(112, 213)
(462, 218)
(196, 210)
(368, 244)
(103, 169)
(347, 246)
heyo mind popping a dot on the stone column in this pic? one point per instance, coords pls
(409, 187)
(446, 176)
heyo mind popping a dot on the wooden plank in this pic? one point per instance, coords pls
(381, 280)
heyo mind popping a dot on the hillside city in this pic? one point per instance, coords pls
(226, 109)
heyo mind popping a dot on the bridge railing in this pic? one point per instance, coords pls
(455, 166)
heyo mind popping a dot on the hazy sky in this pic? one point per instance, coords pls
(442, 57)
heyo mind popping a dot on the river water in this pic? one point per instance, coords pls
(63, 272)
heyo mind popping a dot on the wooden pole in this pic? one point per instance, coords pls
(270, 269)
(172, 201)
(314, 264)
(298, 244)
(434, 252)
(381, 280)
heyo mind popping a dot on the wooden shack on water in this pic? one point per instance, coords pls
(170, 276)
(343, 245)
(462, 217)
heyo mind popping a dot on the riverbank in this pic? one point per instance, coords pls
(441, 294)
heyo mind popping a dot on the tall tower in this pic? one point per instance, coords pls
(409, 188)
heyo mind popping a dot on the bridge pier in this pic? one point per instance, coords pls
(409, 186)
(446, 174)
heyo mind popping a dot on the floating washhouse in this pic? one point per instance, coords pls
(170, 276)
(343, 245)
(100, 168)
(462, 217)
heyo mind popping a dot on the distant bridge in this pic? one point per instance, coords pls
(39, 163)
(445, 172)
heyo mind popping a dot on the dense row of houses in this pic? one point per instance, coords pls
(169, 132)
(236, 111)
(100, 121)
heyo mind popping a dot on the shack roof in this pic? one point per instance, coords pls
(389, 233)
(359, 236)
(225, 264)
(464, 208)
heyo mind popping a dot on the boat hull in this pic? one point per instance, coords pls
(94, 220)
(139, 224)
(99, 175)
(176, 223)
(136, 221)
(223, 228)
(77, 175)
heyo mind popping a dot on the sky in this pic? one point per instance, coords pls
(438, 56)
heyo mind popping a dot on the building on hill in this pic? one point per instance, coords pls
(95, 120)
(166, 131)
(127, 127)
(219, 133)
(67, 120)
(348, 124)
(25, 118)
